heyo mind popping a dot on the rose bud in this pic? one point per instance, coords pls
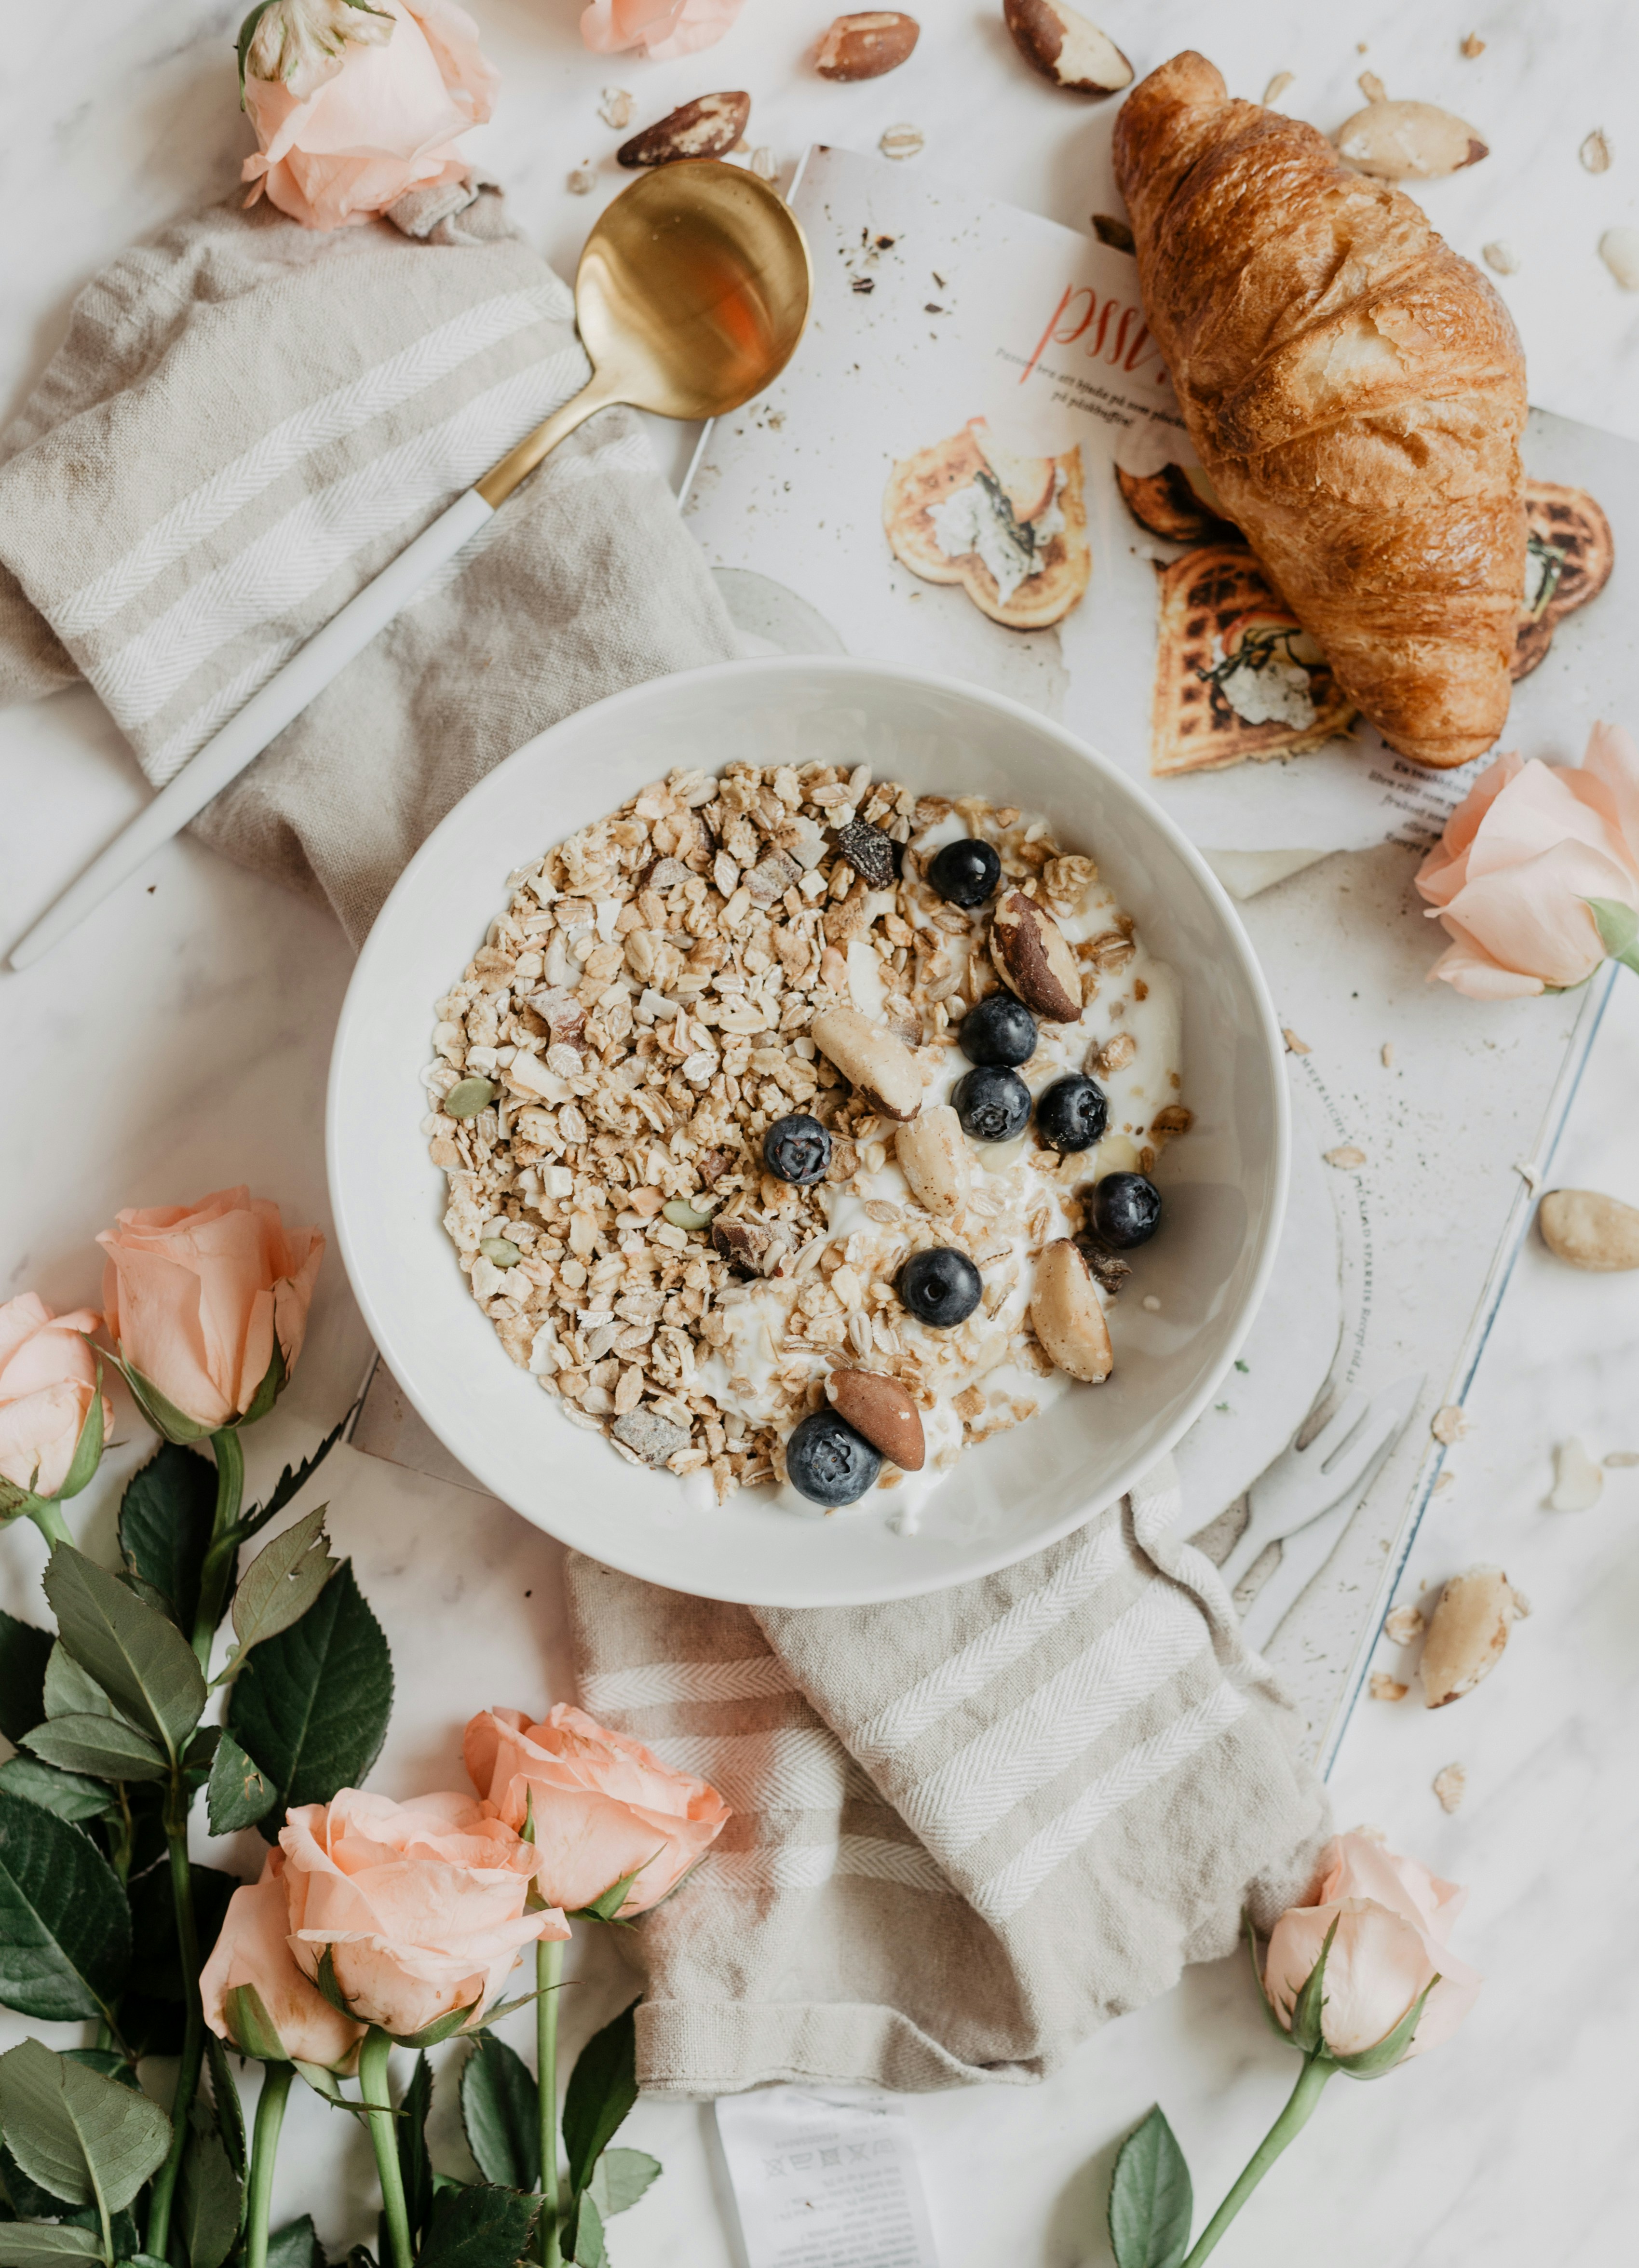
(255, 1995)
(53, 1420)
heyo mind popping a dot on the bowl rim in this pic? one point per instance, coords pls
(773, 666)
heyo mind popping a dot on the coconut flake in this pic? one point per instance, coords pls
(1577, 1480)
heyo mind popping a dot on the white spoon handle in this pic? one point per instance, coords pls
(265, 715)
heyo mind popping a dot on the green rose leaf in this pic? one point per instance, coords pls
(313, 1705)
(105, 1747)
(602, 2090)
(141, 1660)
(1150, 2198)
(67, 1794)
(1618, 929)
(230, 2111)
(65, 1928)
(479, 2227)
(208, 2195)
(415, 2165)
(166, 1518)
(40, 2243)
(86, 2138)
(500, 2111)
(296, 2245)
(291, 1483)
(238, 1792)
(620, 2179)
(281, 1583)
(24, 1653)
(590, 2250)
(69, 1692)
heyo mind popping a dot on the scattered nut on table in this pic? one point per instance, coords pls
(1449, 1425)
(1294, 1045)
(1346, 1157)
(615, 109)
(1277, 87)
(1385, 1688)
(1467, 1633)
(1589, 1229)
(1403, 1627)
(1596, 151)
(1472, 45)
(709, 126)
(1619, 249)
(867, 45)
(1501, 257)
(1450, 1785)
(1577, 1480)
(901, 141)
(1408, 140)
(1061, 44)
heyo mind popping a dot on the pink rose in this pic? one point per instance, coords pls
(47, 1385)
(662, 28)
(341, 139)
(603, 1807)
(252, 1982)
(422, 1905)
(198, 1296)
(1392, 1919)
(1522, 853)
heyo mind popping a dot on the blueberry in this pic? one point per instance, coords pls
(964, 873)
(998, 1029)
(941, 1287)
(993, 1104)
(829, 1461)
(1126, 1211)
(1072, 1113)
(797, 1148)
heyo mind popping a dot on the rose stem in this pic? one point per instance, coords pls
(275, 2085)
(1316, 2072)
(376, 2096)
(194, 2024)
(549, 1969)
(44, 1513)
(217, 1574)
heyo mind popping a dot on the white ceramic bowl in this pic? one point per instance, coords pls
(1225, 1182)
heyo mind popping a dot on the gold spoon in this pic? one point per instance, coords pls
(691, 297)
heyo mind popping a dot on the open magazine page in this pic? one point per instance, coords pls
(976, 464)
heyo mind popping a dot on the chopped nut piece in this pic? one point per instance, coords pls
(1502, 257)
(1467, 1633)
(582, 181)
(1404, 1626)
(615, 109)
(1450, 1424)
(1407, 141)
(1386, 1055)
(1346, 1157)
(901, 141)
(1577, 1480)
(1474, 46)
(1277, 87)
(1387, 1689)
(1619, 249)
(1596, 151)
(1294, 1045)
(1450, 1786)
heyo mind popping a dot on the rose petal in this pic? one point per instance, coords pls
(1531, 917)
(1464, 825)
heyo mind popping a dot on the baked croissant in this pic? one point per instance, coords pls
(1355, 392)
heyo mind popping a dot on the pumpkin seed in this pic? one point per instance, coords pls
(468, 1096)
(682, 1214)
(500, 1251)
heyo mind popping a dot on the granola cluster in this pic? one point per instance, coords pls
(612, 1057)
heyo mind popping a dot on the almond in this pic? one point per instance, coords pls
(706, 127)
(1467, 1634)
(1066, 1316)
(1589, 1229)
(881, 1066)
(1065, 47)
(1407, 141)
(933, 1157)
(867, 45)
(1033, 959)
(881, 1410)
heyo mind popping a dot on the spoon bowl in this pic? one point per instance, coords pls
(691, 297)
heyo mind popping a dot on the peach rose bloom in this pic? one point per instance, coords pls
(603, 1807)
(662, 28)
(48, 1383)
(197, 1294)
(255, 1949)
(338, 148)
(1393, 1918)
(1520, 854)
(421, 1905)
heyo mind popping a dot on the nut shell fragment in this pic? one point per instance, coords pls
(1066, 1316)
(1589, 1229)
(880, 1065)
(709, 126)
(1061, 44)
(1034, 959)
(934, 1158)
(1408, 140)
(1467, 1634)
(867, 45)
(881, 1410)
(1619, 249)
(1450, 1785)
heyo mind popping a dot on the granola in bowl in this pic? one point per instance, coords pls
(717, 1159)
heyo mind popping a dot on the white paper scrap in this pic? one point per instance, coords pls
(825, 2179)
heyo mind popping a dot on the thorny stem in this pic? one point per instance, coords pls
(276, 2086)
(193, 2022)
(376, 2096)
(1316, 2072)
(216, 1575)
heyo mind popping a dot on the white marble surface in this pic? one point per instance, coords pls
(180, 1040)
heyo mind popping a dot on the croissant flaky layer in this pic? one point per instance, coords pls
(1355, 389)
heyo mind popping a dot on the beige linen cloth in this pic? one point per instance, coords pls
(246, 421)
(967, 1828)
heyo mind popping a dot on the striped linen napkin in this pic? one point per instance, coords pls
(246, 421)
(968, 1828)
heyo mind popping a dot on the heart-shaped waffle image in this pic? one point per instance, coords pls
(1571, 552)
(1011, 529)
